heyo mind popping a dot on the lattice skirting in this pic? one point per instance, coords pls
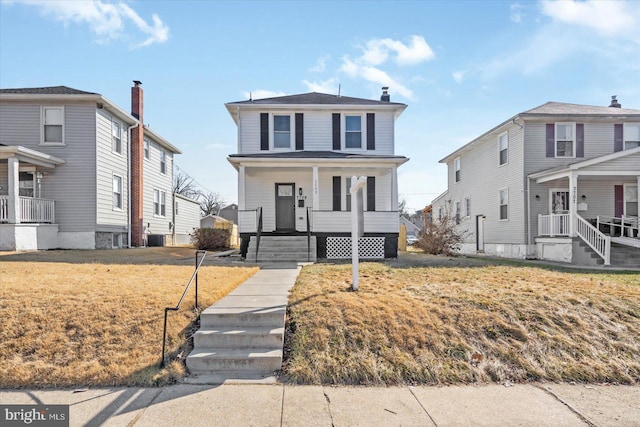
(368, 247)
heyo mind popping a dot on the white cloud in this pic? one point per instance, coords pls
(108, 21)
(517, 12)
(458, 76)
(618, 19)
(374, 75)
(377, 51)
(321, 64)
(326, 86)
(262, 93)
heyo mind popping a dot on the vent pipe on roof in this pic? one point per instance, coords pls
(614, 102)
(385, 94)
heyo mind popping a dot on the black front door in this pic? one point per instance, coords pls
(285, 207)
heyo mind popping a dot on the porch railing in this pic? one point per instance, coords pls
(593, 237)
(553, 225)
(625, 226)
(31, 210)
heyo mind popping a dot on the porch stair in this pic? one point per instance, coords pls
(241, 337)
(621, 255)
(282, 248)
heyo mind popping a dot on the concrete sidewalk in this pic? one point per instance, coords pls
(290, 405)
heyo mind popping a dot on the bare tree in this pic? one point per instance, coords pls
(185, 185)
(211, 203)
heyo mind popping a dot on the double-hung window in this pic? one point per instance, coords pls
(458, 213)
(53, 125)
(504, 204)
(467, 207)
(353, 132)
(281, 131)
(503, 143)
(147, 148)
(631, 135)
(116, 137)
(565, 139)
(117, 192)
(456, 168)
(159, 203)
(163, 162)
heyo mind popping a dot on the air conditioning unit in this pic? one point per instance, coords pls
(155, 240)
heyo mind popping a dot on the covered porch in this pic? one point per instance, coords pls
(27, 219)
(594, 200)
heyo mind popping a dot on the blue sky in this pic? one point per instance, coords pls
(461, 66)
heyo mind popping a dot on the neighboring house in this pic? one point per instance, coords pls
(296, 157)
(186, 213)
(230, 212)
(77, 171)
(215, 221)
(557, 182)
(412, 229)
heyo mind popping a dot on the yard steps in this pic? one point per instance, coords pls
(233, 337)
(282, 248)
(249, 360)
(214, 317)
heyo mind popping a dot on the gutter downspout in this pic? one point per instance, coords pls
(528, 217)
(129, 184)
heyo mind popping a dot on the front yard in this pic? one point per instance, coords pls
(457, 321)
(94, 318)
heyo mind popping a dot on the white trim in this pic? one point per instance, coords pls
(272, 131)
(624, 196)
(507, 149)
(121, 207)
(500, 205)
(558, 190)
(114, 122)
(160, 192)
(363, 132)
(457, 168)
(146, 148)
(573, 140)
(467, 206)
(42, 124)
(624, 132)
(163, 153)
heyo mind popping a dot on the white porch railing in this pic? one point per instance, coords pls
(628, 226)
(593, 237)
(30, 210)
(553, 225)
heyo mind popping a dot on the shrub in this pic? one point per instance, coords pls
(440, 237)
(210, 238)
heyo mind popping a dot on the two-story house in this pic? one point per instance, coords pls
(79, 172)
(557, 182)
(296, 158)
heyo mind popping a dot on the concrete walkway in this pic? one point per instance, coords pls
(289, 405)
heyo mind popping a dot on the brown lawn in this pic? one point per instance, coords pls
(88, 318)
(454, 321)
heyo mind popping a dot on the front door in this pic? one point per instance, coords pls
(285, 207)
(559, 201)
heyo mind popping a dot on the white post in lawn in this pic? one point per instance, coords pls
(357, 223)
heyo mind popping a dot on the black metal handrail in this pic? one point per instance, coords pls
(308, 236)
(258, 230)
(177, 307)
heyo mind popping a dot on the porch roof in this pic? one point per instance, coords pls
(310, 158)
(28, 155)
(582, 167)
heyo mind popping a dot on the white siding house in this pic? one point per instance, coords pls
(556, 182)
(296, 157)
(66, 173)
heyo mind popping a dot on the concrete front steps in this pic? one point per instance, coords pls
(621, 255)
(282, 248)
(241, 337)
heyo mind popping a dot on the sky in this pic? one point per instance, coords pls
(462, 67)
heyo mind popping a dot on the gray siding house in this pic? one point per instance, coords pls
(67, 168)
(557, 182)
(296, 157)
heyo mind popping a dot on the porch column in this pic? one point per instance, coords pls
(241, 188)
(316, 189)
(394, 188)
(573, 203)
(13, 201)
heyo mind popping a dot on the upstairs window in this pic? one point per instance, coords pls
(116, 137)
(282, 131)
(565, 140)
(147, 146)
(503, 147)
(504, 204)
(163, 162)
(456, 168)
(353, 132)
(631, 135)
(117, 192)
(53, 125)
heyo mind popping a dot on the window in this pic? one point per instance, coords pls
(630, 200)
(281, 131)
(176, 208)
(458, 212)
(440, 213)
(467, 207)
(353, 132)
(116, 137)
(504, 204)
(146, 148)
(117, 192)
(53, 125)
(631, 135)
(503, 142)
(347, 181)
(159, 203)
(26, 184)
(163, 162)
(565, 138)
(456, 167)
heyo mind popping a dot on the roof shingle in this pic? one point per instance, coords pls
(49, 90)
(315, 98)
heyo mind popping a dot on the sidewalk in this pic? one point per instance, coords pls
(290, 405)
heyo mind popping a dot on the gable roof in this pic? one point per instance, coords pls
(314, 98)
(48, 90)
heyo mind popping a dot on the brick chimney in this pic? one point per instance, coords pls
(385, 94)
(614, 102)
(137, 161)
